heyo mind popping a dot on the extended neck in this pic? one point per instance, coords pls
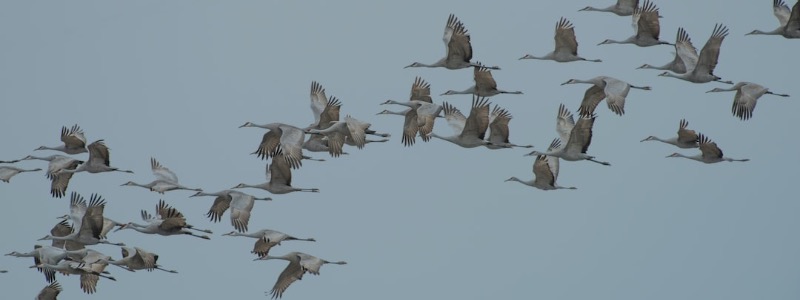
(288, 257)
(777, 31)
(389, 112)
(681, 76)
(61, 238)
(29, 254)
(548, 153)
(147, 186)
(470, 90)
(136, 226)
(646, 66)
(525, 182)
(672, 141)
(48, 158)
(244, 185)
(518, 146)
(575, 81)
(437, 64)
(698, 157)
(610, 41)
(409, 104)
(254, 235)
(57, 148)
(446, 138)
(201, 193)
(549, 56)
(265, 126)
(589, 8)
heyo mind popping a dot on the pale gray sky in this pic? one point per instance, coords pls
(175, 79)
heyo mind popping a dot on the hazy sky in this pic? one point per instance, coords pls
(174, 79)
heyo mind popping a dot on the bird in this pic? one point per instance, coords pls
(545, 170)
(91, 222)
(484, 86)
(299, 264)
(789, 21)
(279, 178)
(93, 259)
(289, 137)
(421, 114)
(458, 49)
(58, 182)
(621, 8)
(348, 141)
(99, 161)
(325, 111)
(168, 221)
(498, 130)
(62, 229)
(701, 69)
(50, 292)
(710, 153)
(646, 27)
(339, 130)
(604, 87)
(266, 239)
(89, 274)
(747, 95)
(317, 143)
(6, 172)
(683, 44)
(47, 255)
(73, 139)
(686, 138)
(135, 258)
(566, 49)
(319, 103)
(580, 138)
(564, 123)
(240, 204)
(420, 101)
(78, 208)
(469, 131)
(166, 180)
(327, 118)
(421, 120)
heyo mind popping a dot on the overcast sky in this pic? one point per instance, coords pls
(174, 79)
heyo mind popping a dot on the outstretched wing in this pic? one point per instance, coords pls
(565, 37)
(318, 101)
(161, 172)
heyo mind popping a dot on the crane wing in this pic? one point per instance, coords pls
(565, 37)
(161, 172)
(318, 101)
(564, 122)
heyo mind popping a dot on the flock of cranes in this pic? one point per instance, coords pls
(286, 147)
